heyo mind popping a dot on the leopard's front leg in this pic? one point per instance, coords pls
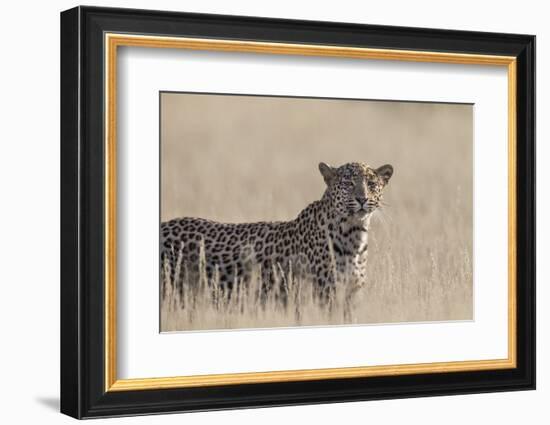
(357, 276)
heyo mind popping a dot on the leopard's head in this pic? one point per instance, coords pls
(355, 189)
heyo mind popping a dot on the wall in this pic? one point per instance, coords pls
(29, 176)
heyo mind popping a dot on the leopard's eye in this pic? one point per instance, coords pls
(372, 185)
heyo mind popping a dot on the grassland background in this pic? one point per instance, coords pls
(246, 158)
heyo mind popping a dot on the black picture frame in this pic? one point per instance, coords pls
(83, 392)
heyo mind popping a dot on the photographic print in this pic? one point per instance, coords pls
(286, 211)
(255, 183)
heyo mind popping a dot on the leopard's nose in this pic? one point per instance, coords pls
(361, 200)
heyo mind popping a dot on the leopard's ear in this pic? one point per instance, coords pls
(328, 172)
(385, 172)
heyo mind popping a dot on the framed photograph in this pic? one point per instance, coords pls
(261, 212)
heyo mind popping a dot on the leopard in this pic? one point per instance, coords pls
(325, 244)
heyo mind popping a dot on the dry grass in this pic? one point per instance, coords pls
(208, 306)
(244, 159)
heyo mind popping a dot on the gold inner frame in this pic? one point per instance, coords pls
(113, 41)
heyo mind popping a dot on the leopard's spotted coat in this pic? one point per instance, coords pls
(327, 242)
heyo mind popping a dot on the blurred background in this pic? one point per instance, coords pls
(238, 158)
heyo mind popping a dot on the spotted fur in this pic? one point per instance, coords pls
(327, 242)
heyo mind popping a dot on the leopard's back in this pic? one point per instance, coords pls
(226, 252)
